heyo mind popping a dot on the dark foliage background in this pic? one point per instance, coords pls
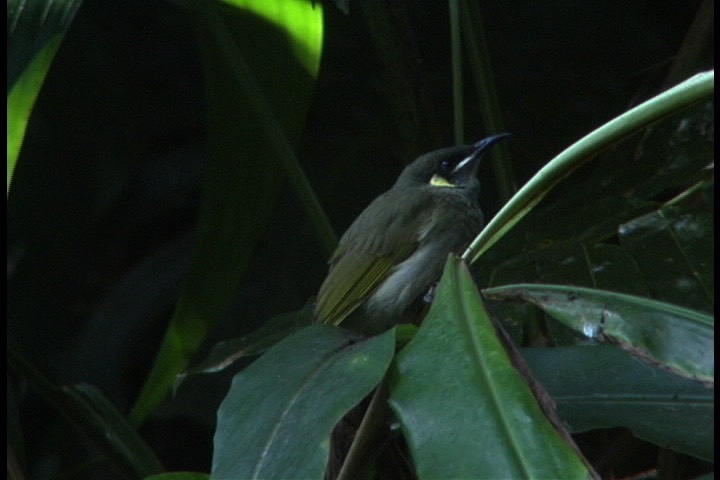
(106, 193)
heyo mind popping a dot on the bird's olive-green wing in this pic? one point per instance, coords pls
(351, 281)
(368, 251)
(348, 284)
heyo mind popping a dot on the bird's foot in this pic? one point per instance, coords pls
(430, 294)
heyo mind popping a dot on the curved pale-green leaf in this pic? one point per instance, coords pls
(677, 338)
(674, 99)
(465, 411)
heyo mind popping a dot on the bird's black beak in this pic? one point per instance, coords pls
(469, 165)
(484, 144)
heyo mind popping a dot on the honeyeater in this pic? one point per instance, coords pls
(394, 251)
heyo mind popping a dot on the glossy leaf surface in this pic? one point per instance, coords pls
(275, 421)
(465, 410)
(602, 386)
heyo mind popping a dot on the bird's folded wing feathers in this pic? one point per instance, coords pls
(362, 275)
(364, 259)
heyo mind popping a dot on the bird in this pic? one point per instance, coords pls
(393, 253)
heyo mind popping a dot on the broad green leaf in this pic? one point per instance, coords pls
(688, 92)
(253, 121)
(674, 246)
(602, 386)
(679, 339)
(276, 420)
(465, 411)
(35, 32)
(228, 352)
(86, 407)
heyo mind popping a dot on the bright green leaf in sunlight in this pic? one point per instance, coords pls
(679, 339)
(296, 18)
(259, 80)
(276, 420)
(35, 32)
(602, 386)
(465, 411)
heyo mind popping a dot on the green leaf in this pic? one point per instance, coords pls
(603, 386)
(299, 21)
(252, 116)
(677, 338)
(620, 186)
(276, 420)
(35, 32)
(465, 410)
(680, 96)
(228, 352)
(591, 205)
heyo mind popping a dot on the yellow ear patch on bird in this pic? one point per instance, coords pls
(439, 181)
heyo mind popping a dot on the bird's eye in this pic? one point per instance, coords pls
(445, 167)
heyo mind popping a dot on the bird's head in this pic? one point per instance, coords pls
(452, 167)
